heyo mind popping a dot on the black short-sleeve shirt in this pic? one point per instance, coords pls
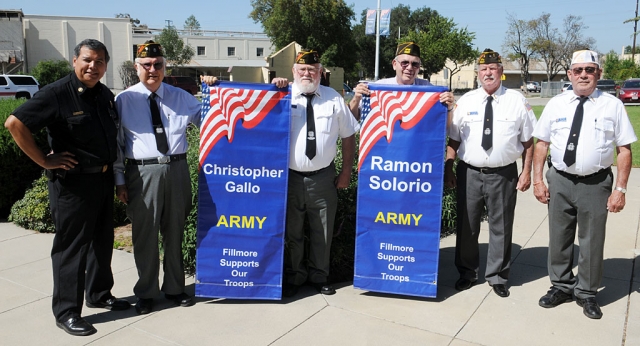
(80, 120)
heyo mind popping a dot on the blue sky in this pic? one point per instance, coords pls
(486, 18)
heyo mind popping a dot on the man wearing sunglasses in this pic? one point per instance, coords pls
(152, 175)
(407, 66)
(319, 116)
(491, 128)
(581, 128)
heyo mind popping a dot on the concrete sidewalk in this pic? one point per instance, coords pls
(351, 317)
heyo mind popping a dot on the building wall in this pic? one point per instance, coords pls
(11, 42)
(53, 37)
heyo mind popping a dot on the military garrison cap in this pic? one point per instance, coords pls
(149, 49)
(489, 57)
(409, 48)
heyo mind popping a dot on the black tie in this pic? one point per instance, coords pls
(158, 130)
(311, 129)
(487, 132)
(572, 143)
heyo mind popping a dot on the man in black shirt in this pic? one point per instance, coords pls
(81, 120)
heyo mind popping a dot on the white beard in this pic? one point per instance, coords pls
(307, 86)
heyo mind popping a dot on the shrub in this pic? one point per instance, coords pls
(49, 71)
(18, 170)
(128, 74)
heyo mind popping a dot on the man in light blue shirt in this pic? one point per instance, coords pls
(152, 175)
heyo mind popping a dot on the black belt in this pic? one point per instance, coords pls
(488, 170)
(88, 170)
(575, 176)
(308, 174)
(157, 160)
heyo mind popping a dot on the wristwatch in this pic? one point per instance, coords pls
(621, 189)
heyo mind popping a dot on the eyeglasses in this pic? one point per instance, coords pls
(405, 63)
(588, 70)
(147, 66)
(303, 70)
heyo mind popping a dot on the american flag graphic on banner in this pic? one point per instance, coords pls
(383, 108)
(223, 105)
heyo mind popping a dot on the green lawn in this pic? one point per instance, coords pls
(634, 115)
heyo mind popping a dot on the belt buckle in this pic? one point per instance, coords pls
(104, 168)
(164, 159)
(484, 170)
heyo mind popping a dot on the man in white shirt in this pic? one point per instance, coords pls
(152, 175)
(581, 128)
(407, 65)
(319, 116)
(491, 128)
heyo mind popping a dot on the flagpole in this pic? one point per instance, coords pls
(377, 40)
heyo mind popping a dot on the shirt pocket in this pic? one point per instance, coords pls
(80, 126)
(605, 132)
(504, 126)
(469, 125)
(560, 129)
(324, 119)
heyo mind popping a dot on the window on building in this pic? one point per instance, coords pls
(135, 50)
(201, 50)
(259, 51)
(231, 51)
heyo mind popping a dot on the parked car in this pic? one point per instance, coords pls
(566, 86)
(185, 83)
(18, 86)
(629, 91)
(533, 87)
(347, 92)
(608, 86)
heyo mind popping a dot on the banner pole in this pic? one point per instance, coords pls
(377, 40)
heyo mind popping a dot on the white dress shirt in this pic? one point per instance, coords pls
(332, 119)
(605, 124)
(513, 123)
(136, 138)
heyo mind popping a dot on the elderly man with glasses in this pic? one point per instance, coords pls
(407, 65)
(491, 128)
(319, 116)
(152, 175)
(582, 128)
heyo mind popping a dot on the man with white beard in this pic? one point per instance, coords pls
(319, 116)
(491, 128)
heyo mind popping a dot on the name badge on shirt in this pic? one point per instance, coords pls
(472, 113)
(561, 120)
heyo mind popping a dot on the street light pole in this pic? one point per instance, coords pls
(378, 40)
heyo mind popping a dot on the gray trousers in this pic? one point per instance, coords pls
(581, 203)
(497, 191)
(159, 201)
(315, 197)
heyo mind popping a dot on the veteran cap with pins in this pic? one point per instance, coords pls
(308, 57)
(409, 48)
(488, 56)
(585, 56)
(149, 49)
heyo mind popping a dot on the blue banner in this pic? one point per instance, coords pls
(244, 153)
(385, 21)
(370, 26)
(400, 182)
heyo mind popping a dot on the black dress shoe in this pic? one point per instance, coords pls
(144, 306)
(110, 303)
(553, 298)
(181, 299)
(590, 307)
(501, 290)
(323, 288)
(464, 284)
(290, 290)
(76, 326)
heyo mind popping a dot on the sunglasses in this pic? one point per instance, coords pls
(147, 66)
(588, 70)
(405, 64)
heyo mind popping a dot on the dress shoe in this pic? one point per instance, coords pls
(323, 288)
(144, 306)
(76, 326)
(501, 290)
(553, 298)
(590, 307)
(110, 303)
(464, 284)
(290, 290)
(181, 299)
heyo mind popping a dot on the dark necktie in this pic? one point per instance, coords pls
(487, 132)
(311, 129)
(572, 143)
(158, 129)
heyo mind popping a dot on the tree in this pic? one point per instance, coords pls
(617, 69)
(193, 25)
(49, 71)
(463, 54)
(128, 74)
(545, 40)
(323, 25)
(176, 52)
(572, 39)
(135, 23)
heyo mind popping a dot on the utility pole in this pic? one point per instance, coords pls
(377, 40)
(635, 31)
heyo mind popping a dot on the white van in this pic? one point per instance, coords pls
(18, 86)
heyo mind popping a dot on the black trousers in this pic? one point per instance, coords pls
(82, 212)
